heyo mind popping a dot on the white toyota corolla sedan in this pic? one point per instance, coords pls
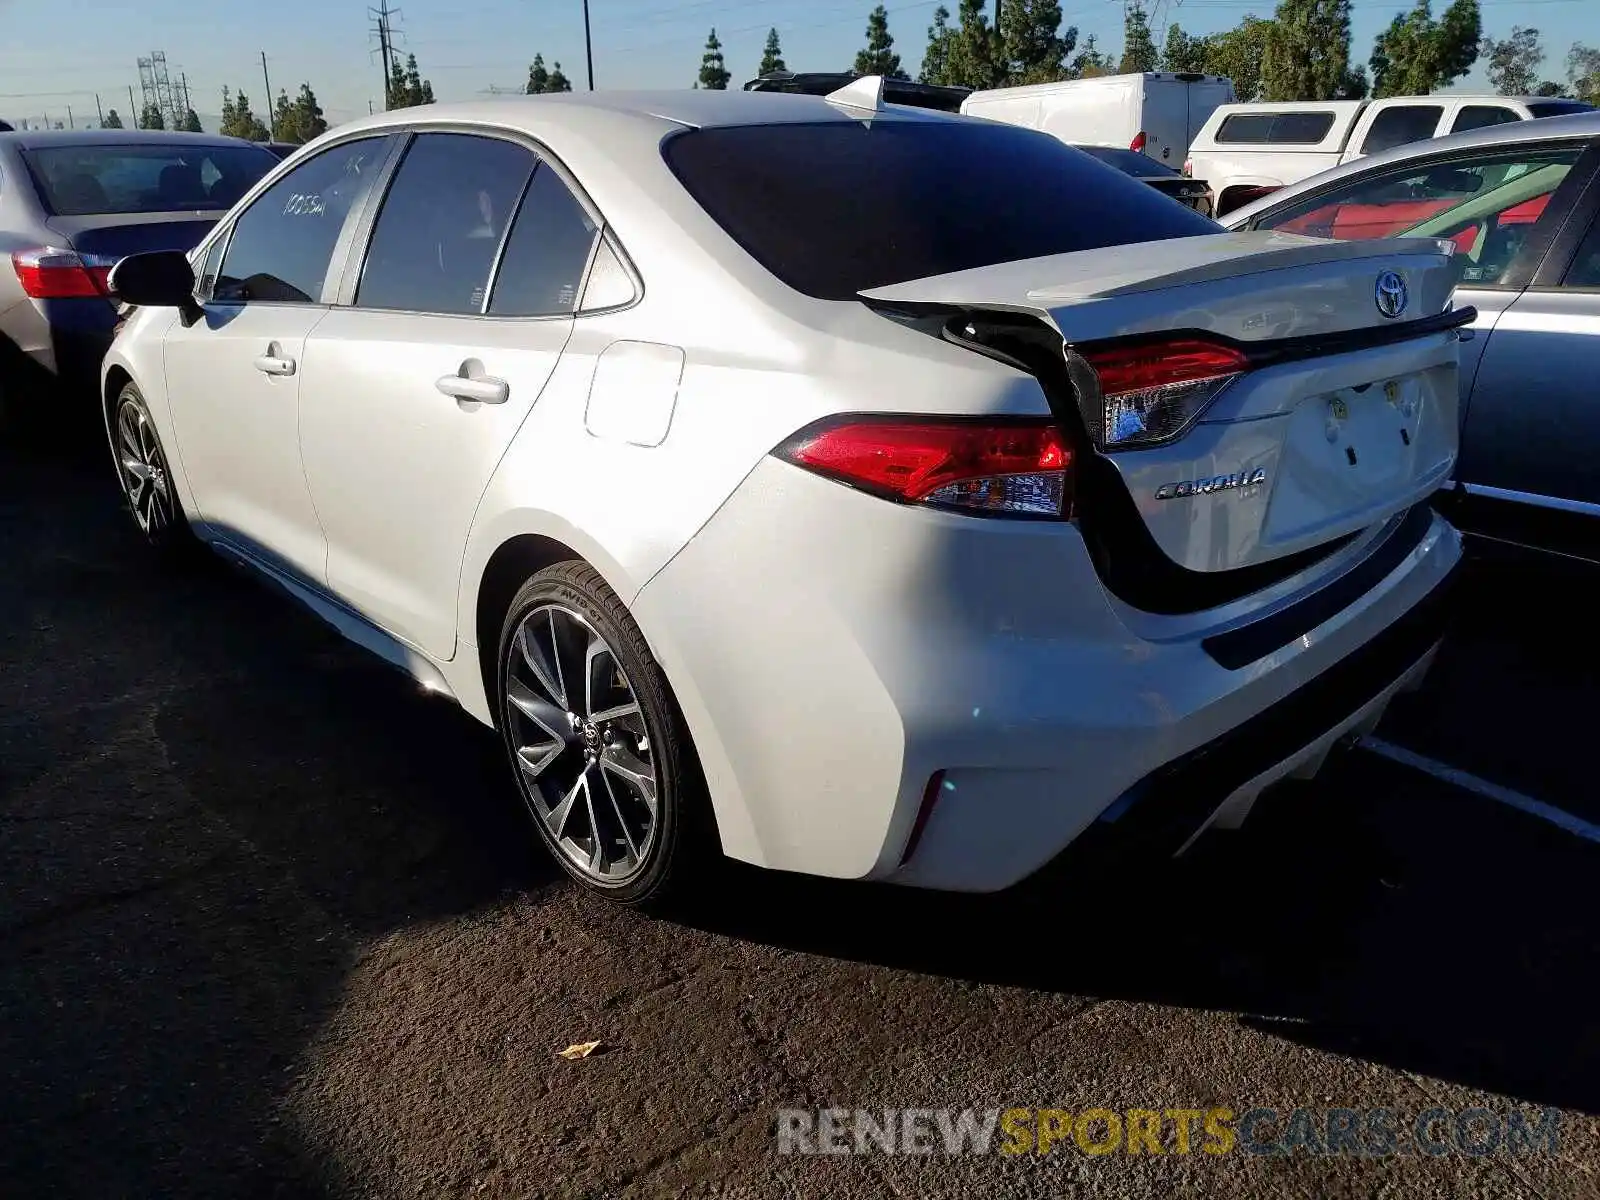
(853, 489)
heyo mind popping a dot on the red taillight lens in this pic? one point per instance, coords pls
(1152, 391)
(1138, 142)
(51, 274)
(1188, 168)
(1018, 468)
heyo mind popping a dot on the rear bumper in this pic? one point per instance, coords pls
(834, 655)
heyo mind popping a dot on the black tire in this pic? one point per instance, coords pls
(683, 853)
(153, 507)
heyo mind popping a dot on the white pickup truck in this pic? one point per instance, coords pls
(1248, 150)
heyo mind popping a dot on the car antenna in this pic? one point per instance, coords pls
(862, 95)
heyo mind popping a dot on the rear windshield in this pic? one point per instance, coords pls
(1130, 162)
(1280, 129)
(1558, 108)
(834, 208)
(78, 181)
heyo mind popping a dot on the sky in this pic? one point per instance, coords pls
(61, 54)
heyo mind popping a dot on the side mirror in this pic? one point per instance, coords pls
(159, 279)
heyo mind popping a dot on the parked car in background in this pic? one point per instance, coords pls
(895, 91)
(1156, 113)
(1521, 202)
(1165, 179)
(772, 495)
(282, 149)
(1247, 151)
(71, 205)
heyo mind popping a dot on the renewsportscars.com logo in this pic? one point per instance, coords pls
(1360, 1132)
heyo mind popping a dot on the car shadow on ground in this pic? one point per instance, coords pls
(212, 807)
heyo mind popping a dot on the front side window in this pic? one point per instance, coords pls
(90, 180)
(1401, 125)
(442, 223)
(1585, 269)
(542, 267)
(282, 245)
(1487, 205)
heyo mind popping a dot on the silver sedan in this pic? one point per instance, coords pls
(1521, 202)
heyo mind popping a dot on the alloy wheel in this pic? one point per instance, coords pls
(144, 469)
(580, 744)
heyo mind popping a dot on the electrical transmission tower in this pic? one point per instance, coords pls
(388, 52)
(157, 89)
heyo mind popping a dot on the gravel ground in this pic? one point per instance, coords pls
(271, 925)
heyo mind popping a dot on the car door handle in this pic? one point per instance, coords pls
(271, 364)
(485, 389)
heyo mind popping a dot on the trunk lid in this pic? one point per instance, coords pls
(1344, 415)
(118, 235)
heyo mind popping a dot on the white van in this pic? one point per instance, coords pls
(1156, 112)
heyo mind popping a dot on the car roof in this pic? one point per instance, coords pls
(35, 139)
(1576, 126)
(583, 113)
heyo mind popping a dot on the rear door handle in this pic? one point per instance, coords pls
(271, 364)
(485, 389)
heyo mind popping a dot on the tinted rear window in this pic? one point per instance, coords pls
(1282, 129)
(833, 209)
(1558, 108)
(77, 181)
(1130, 162)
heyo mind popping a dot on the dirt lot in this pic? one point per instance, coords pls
(270, 925)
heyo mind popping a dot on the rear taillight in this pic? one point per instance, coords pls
(1138, 142)
(1017, 467)
(49, 273)
(1188, 168)
(1145, 393)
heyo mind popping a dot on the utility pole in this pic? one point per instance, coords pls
(588, 48)
(133, 113)
(272, 117)
(99, 110)
(385, 49)
(70, 123)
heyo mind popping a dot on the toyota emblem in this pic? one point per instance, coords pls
(1390, 294)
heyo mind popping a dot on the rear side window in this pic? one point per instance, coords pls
(1558, 108)
(834, 208)
(442, 224)
(1481, 116)
(1282, 129)
(282, 244)
(542, 267)
(1401, 125)
(77, 181)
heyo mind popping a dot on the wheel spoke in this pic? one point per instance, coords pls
(622, 821)
(533, 655)
(593, 653)
(597, 854)
(633, 771)
(561, 813)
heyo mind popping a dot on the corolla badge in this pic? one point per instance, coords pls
(1215, 483)
(1390, 294)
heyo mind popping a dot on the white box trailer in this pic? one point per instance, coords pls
(1156, 112)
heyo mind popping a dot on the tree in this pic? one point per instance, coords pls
(283, 122)
(418, 89)
(1089, 63)
(1138, 47)
(713, 73)
(969, 53)
(1307, 55)
(936, 58)
(1183, 52)
(1513, 64)
(1583, 72)
(558, 79)
(150, 118)
(772, 55)
(238, 121)
(308, 114)
(879, 57)
(1548, 88)
(1240, 54)
(112, 121)
(190, 122)
(1416, 54)
(538, 77)
(1031, 46)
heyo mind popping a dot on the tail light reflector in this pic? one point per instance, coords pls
(1019, 467)
(49, 273)
(1138, 142)
(1145, 393)
(1188, 168)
